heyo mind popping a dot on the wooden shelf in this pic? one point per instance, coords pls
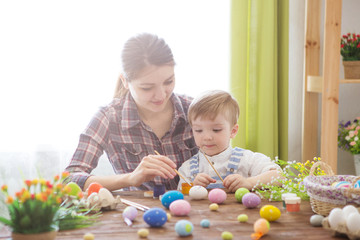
(315, 83)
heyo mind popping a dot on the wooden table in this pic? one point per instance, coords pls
(288, 226)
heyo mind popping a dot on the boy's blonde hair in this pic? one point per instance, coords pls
(212, 103)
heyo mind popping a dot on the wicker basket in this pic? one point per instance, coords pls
(323, 196)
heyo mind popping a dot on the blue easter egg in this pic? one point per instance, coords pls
(357, 184)
(205, 223)
(184, 228)
(343, 184)
(155, 217)
(171, 196)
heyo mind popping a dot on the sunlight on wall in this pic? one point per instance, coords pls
(60, 61)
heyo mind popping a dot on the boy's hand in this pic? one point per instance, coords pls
(236, 181)
(203, 179)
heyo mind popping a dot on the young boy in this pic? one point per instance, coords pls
(213, 117)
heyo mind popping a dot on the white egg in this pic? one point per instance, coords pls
(348, 209)
(335, 217)
(198, 193)
(352, 222)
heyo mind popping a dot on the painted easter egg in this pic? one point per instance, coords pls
(171, 196)
(74, 189)
(335, 217)
(227, 235)
(155, 217)
(262, 226)
(143, 232)
(184, 228)
(240, 192)
(198, 192)
(205, 223)
(251, 200)
(242, 218)
(217, 195)
(180, 207)
(334, 184)
(357, 184)
(130, 212)
(93, 187)
(270, 213)
(214, 207)
(316, 220)
(352, 222)
(343, 184)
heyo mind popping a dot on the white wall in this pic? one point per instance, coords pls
(349, 94)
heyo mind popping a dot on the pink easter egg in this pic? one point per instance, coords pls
(180, 207)
(130, 212)
(251, 200)
(217, 195)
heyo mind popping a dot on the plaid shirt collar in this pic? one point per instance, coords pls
(130, 115)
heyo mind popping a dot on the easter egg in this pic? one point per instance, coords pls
(130, 212)
(352, 222)
(348, 209)
(240, 193)
(270, 213)
(335, 217)
(251, 200)
(168, 216)
(343, 184)
(143, 232)
(334, 184)
(184, 228)
(226, 235)
(205, 223)
(155, 217)
(74, 189)
(88, 236)
(171, 196)
(217, 195)
(316, 220)
(198, 192)
(180, 207)
(93, 187)
(242, 218)
(357, 184)
(213, 207)
(262, 226)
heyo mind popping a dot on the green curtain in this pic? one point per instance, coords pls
(259, 74)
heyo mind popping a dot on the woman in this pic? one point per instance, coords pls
(145, 116)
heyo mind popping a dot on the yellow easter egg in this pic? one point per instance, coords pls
(270, 213)
(214, 207)
(262, 226)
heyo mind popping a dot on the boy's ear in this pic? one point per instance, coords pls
(234, 130)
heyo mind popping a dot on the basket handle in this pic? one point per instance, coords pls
(324, 166)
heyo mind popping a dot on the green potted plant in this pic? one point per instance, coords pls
(350, 52)
(41, 208)
(349, 140)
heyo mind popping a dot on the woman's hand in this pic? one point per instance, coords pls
(236, 181)
(203, 179)
(150, 167)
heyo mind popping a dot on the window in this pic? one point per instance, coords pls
(60, 62)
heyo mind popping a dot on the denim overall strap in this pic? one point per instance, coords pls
(194, 166)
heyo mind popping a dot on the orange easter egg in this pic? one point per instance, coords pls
(93, 187)
(262, 226)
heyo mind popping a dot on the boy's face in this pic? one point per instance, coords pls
(213, 136)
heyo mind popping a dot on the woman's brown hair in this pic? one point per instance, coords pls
(138, 52)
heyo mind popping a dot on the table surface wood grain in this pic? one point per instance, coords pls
(112, 226)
